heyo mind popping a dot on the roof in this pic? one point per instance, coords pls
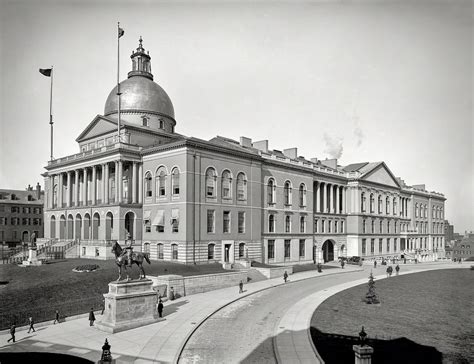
(21, 197)
(354, 167)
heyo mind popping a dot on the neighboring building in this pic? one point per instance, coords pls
(464, 249)
(21, 214)
(448, 232)
(195, 201)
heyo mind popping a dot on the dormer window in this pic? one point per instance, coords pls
(145, 121)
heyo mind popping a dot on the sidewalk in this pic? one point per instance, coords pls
(160, 342)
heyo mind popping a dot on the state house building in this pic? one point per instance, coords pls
(195, 201)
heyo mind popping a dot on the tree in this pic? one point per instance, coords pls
(371, 296)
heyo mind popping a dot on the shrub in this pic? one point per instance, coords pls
(86, 268)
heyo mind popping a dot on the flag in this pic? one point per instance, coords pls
(46, 71)
(120, 32)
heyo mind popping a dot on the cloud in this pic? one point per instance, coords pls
(333, 146)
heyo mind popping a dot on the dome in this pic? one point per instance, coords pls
(140, 94)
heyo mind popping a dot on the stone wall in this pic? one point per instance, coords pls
(275, 272)
(185, 286)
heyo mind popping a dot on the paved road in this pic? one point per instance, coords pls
(243, 331)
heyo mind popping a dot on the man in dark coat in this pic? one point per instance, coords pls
(160, 308)
(12, 333)
(31, 323)
(285, 276)
(91, 317)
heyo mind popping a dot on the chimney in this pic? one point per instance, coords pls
(38, 191)
(331, 163)
(291, 153)
(261, 145)
(314, 160)
(245, 142)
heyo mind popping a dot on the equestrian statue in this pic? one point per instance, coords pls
(126, 257)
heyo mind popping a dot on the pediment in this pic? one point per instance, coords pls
(381, 175)
(99, 126)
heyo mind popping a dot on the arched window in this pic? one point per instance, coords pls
(210, 251)
(381, 227)
(241, 187)
(362, 202)
(380, 208)
(373, 226)
(387, 205)
(287, 193)
(302, 195)
(146, 248)
(226, 185)
(159, 248)
(416, 210)
(271, 189)
(271, 223)
(287, 224)
(160, 182)
(148, 189)
(175, 181)
(241, 250)
(372, 202)
(425, 211)
(394, 205)
(174, 251)
(302, 224)
(211, 182)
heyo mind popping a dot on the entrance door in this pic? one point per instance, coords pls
(328, 251)
(227, 253)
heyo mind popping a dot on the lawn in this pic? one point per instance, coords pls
(41, 290)
(423, 318)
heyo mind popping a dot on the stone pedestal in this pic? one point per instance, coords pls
(32, 259)
(363, 354)
(129, 305)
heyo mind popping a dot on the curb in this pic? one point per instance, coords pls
(188, 336)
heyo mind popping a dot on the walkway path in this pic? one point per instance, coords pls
(160, 342)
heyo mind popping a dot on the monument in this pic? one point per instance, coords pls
(129, 303)
(32, 257)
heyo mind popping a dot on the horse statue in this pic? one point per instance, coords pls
(122, 260)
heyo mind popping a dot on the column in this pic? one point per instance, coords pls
(318, 197)
(76, 187)
(93, 185)
(106, 183)
(344, 200)
(60, 190)
(324, 197)
(338, 191)
(68, 196)
(331, 202)
(134, 183)
(140, 183)
(103, 183)
(120, 181)
(84, 188)
(51, 191)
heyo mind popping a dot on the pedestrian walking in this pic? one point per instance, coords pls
(460, 260)
(56, 317)
(397, 269)
(285, 276)
(389, 271)
(91, 317)
(241, 287)
(12, 333)
(375, 264)
(160, 308)
(342, 263)
(31, 323)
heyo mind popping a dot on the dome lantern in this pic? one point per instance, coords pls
(141, 65)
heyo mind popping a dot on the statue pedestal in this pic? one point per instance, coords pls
(363, 354)
(129, 305)
(32, 259)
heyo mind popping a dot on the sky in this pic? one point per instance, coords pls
(357, 80)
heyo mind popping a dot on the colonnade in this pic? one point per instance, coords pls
(105, 183)
(330, 198)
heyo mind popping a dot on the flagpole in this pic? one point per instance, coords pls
(118, 79)
(51, 111)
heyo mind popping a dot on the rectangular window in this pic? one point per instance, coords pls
(335, 226)
(342, 226)
(323, 222)
(388, 245)
(226, 222)
(395, 244)
(315, 225)
(241, 222)
(271, 249)
(364, 247)
(2, 235)
(329, 226)
(372, 246)
(363, 226)
(175, 220)
(302, 224)
(210, 221)
(380, 245)
(174, 251)
(160, 251)
(287, 248)
(302, 248)
(147, 226)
